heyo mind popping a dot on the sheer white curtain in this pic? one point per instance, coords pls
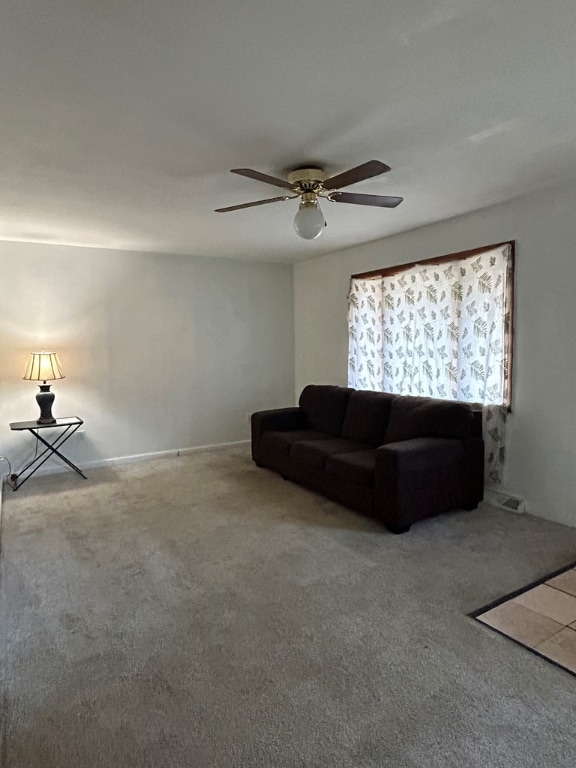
(438, 331)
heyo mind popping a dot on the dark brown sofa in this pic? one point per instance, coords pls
(400, 459)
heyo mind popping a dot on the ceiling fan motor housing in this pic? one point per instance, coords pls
(306, 179)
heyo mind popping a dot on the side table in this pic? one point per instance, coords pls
(66, 428)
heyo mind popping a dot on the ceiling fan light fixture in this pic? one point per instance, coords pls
(309, 183)
(309, 220)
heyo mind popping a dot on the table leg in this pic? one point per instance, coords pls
(50, 450)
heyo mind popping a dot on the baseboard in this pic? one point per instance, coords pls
(212, 447)
(171, 454)
(55, 469)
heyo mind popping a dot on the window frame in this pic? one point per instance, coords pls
(461, 256)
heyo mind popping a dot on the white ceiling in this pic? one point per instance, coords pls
(120, 119)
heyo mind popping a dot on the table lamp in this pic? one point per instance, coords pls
(44, 366)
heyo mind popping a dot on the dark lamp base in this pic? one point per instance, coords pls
(45, 398)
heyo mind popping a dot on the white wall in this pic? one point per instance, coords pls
(160, 352)
(541, 462)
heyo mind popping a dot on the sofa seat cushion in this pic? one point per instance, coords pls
(354, 468)
(279, 443)
(412, 417)
(367, 417)
(315, 452)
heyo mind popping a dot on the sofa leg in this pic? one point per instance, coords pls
(473, 504)
(398, 527)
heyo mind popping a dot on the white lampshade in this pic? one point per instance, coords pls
(43, 366)
(309, 220)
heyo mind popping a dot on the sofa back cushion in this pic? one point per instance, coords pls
(423, 417)
(325, 406)
(367, 417)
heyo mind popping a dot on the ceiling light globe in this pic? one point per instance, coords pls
(309, 221)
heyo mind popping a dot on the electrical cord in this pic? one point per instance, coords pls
(32, 460)
(10, 478)
(8, 481)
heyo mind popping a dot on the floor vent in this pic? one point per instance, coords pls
(506, 501)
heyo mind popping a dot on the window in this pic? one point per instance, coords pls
(439, 328)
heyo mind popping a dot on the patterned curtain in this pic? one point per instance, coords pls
(494, 432)
(438, 331)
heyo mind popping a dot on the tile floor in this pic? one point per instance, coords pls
(542, 617)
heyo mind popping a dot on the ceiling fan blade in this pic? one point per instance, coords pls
(256, 202)
(361, 172)
(250, 174)
(380, 200)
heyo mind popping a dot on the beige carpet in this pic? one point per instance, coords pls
(202, 612)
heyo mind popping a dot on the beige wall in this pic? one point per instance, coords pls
(541, 463)
(160, 352)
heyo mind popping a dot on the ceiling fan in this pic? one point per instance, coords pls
(309, 184)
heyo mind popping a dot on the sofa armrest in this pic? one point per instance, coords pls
(277, 420)
(418, 454)
(419, 478)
